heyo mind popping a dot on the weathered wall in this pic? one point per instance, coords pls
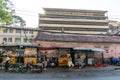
(112, 49)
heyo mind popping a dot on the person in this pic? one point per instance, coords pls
(20, 59)
(29, 64)
(45, 61)
(70, 64)
(1, 58)
(79, 62)
(7, 62)
(111, 60)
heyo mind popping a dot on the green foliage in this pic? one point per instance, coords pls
(5, 15)
(2, 28)
(19, 20)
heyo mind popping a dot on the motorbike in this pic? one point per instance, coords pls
(53, 62)
(17, 67)
(32, 67)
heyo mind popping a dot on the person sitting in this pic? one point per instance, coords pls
(70, 63)
(80, 63)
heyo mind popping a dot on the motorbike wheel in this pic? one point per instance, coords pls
(17, 69)
(23, 70)
(40, 69)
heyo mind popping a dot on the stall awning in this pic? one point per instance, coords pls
(81, 48)
(97, 49)
(89, 49)
(47, 48)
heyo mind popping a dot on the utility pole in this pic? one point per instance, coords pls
(20, 52)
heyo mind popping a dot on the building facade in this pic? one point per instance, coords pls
(74, 21)
(79, 28)
(111, 44)
(17, 35)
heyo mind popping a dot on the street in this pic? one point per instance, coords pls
(62, 75)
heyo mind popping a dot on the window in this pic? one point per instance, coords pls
(4, 39)
(26, 31)
(25, 40)
(31, 32)
(6, 30)
(10, 30)
(30, 40)
(17, 40)
(18, 31)
(10, 40)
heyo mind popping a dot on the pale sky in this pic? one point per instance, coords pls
(29, 9)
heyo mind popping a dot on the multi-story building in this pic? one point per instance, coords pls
(74, 21)
(17, 35)
(86, 22)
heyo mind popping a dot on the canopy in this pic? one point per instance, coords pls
(47, 48)
(89, 49)
(97, 49)
(81, 48)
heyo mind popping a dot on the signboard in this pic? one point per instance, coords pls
(30, 51)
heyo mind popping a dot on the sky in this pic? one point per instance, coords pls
(30, 9)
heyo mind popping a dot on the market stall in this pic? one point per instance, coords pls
(51, 54)
(9, 50)
(63, 55)
(30, 54)
(86, 56)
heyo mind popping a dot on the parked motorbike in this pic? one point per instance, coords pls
(15, 67)
(115, 61)
(19, 68)
(32, 67)
(53, 62)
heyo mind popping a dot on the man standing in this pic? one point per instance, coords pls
(7, 63)
(45, 60)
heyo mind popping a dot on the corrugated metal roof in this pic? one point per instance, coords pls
(77, 38)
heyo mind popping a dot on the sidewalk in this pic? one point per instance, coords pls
(98, 69)
(94, 69)
(85, 69)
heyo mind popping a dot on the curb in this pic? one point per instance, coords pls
(102, 70)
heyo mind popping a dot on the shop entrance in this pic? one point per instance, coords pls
(85, 56)
(80, 58)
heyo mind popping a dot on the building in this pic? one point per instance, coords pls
(110, 43)
(78, 28)
(114, 27)
(17, 35)
(74, 21)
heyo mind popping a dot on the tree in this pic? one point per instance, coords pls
(5, 12)
(18, 19)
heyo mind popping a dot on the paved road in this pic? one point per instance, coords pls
(62, 75)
